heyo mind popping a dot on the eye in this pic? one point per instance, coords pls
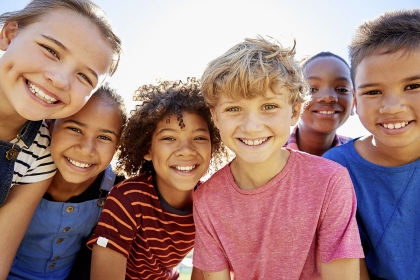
(342, 90)
(51, 51)
(413, 86)
(75, 129)
(372, 92)
(233, 109)
(269, 107)
(312, 90)
(86, 78)
(168, 138)
(201, 138)
(103, 137)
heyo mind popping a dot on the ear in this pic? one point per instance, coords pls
(214, 117)
(296, 113)
(353, 104)
(148, 156)
(8, 32)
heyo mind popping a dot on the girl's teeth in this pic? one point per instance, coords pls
(79, 164)
(254, 142)
(326, 112)
(40, 94)
(394, 125)
(185, 168)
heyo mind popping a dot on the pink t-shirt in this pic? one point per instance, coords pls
(282, 230)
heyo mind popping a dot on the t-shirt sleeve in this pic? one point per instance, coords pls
(338, 235)
(35, 164)
(208, 251)
(117, 226)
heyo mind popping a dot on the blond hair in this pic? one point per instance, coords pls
(250, 68)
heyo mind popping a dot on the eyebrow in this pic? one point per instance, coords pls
(337, 79)
(84, 125)
(406, 80)
(58, 43)
(174, 130)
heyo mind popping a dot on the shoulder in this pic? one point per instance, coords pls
(135, 188)
(215, 185)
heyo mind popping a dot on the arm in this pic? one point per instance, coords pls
(107, 264)
(364, 274)
(197, 274)
(15, 216)
(345, 269)
(219, 275)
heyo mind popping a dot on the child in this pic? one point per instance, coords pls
(331, 89)
(82, 149)
(56, 54)
(271, 213)
(147, 227)
(384, 166)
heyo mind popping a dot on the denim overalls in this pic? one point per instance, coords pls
(54, 236)
(9, 153)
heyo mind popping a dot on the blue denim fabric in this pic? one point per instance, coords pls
(55, 234)
(27, 135)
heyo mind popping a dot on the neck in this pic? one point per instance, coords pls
(62, 191)
(249, 176)
(178, 199)
(313, 142)
(377, 153)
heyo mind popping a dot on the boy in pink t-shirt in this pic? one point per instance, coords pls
(271, 213)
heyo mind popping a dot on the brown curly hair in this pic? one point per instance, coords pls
(158, 102)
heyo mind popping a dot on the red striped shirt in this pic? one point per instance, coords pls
(141, 225)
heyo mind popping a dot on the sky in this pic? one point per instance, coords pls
(175, 39)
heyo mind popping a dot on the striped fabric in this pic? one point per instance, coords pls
(141, 225)
(35, 163)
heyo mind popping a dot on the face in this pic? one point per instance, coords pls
(388, 97)
(180, 157)
(51, 67)
(255, 129)
(82, 146)
(331, 101)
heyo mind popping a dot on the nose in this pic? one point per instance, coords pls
(86, 146)
(59, 78)
(251, 123)
(186, 148)
(327, 96)
(392, 104)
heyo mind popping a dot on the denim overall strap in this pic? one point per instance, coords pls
(8, 156)
(107, 183)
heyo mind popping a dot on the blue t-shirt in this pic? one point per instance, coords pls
(388, 213)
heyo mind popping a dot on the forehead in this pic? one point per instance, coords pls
(388, 68)
(282, 93)
(328, 64)
(190, 121)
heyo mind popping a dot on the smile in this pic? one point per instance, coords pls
(326, 112)
(394, 125)
(40, 94)
(185, 168)
(254, 142)
(79, 164)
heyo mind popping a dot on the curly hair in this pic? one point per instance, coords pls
(250, 68)
(389, 33)
(158, 102)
